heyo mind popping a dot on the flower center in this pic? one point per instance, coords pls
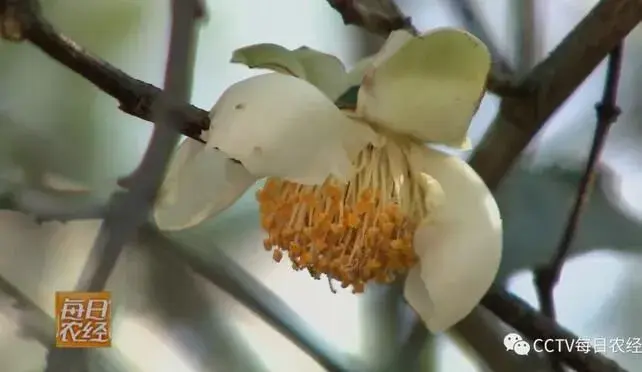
(354, 232)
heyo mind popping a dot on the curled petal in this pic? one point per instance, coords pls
(281, 126)
(459, 252)
(200, 183)
(324, 71)
(417, 294)
(428, 87)
(269, 56)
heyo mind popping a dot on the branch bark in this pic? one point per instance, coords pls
(533, 325)
(546, 277)
(551, 82)
(127, 212)
(22, 20)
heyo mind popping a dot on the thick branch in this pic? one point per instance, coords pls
(551, 83)
(534, 325)
(135, 97)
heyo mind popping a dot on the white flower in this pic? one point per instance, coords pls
(355, 194)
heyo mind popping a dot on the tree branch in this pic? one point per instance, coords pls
(550, 83)
(218, 270)
(127, 212)
(32, 320)
(546, 277)
(383, 16)
(533, 325)
(234, 280)
(20, 20)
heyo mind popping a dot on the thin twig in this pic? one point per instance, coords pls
(128, 211)
(35, 323)
(135, 97)
(380, 17)
(546, 277)
(550, 83)
(32, 320)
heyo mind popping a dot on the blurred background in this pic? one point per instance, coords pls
(168, 319)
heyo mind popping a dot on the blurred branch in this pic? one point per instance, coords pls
(233, 279)
(551, 82)
(32, 320)
(376, 16)
(22, 20)
(383, 16)
(182, 304)
(46, 206)
(534, 325)
(546, 277)
(128, 211)
(220, 271)
(529, 31)
(35, 323)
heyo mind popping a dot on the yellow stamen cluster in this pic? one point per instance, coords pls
(354, 232)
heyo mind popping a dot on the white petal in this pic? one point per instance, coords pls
(417, 294)
(355, 76)
(460, 253)
(324, 71)
(395, 41)
(269, 56)
(200, 183)
(430, 88)
(281, 126)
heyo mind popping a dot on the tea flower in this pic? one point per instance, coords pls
(355, 194)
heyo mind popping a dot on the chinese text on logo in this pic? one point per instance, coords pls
(83, 319)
